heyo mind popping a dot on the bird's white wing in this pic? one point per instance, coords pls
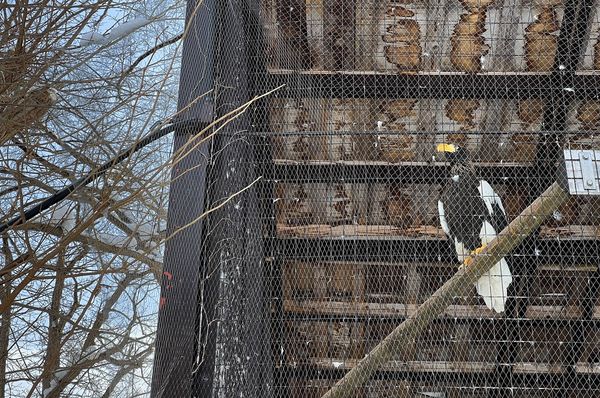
(490, 197)
(443, 221)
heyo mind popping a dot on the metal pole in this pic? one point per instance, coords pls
(177, 330)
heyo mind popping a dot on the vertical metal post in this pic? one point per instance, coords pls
(239, 324)
(183, 261)
(571, 46)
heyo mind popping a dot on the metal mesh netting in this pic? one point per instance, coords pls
(357, 213)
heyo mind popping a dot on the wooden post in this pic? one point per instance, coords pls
(405, 334)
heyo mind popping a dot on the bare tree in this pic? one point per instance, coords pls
(80, 81)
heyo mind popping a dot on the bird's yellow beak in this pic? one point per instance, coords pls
(446, 148)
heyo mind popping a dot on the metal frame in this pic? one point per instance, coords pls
(435, 85)
(564, 251)
(406, 173)
(177, 330)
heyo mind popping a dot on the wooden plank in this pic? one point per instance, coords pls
(543, 345)
(268, 11)
(290, 117)
(340, 118)
(313, 204)
(401, 310)
(521, 146)
(319, 330)
(315, 33)
(560, 288)
(368, 265)
(541, 38)
(521, 368)
(497, 113)
(425, 232)
(293, 204)
(392, 205)
(309, 388)
(467, 50)
(399, 46)
(366, 33)
(435, 366)
(430, 120)
(324, 339)
(388, 389)
(292, 162)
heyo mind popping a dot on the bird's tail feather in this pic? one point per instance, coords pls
(493, 286)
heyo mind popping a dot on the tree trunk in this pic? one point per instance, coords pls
(4, 318)
(52, 359)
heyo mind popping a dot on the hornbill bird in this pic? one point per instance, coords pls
(471, 214)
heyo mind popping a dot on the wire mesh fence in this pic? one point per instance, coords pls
(406, 136)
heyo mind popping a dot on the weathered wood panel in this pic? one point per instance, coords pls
(345, 120)
(541, 38)
(396, 116)
(302, 33)
(354, 118)
(316, 33)
(331, 33)
(290, 118)
(462, 117)
(400, 36)
(291, 49)
(319, 339)
(559, 288)
(441, 342)
(305, 204)
(404, 207)
(324, 281)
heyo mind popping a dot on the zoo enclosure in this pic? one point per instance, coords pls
(285, 288)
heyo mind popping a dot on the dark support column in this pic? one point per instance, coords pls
(258, 81)
(234, 232)
(183, 266)
(571, 47)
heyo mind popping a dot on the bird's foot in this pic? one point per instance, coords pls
(478, 250)
(469, 260)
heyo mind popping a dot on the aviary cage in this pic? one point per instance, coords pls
(335, 237)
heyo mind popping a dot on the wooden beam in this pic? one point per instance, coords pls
(352, 310)
(406, 333)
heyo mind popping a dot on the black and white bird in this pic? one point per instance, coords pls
(471, 214)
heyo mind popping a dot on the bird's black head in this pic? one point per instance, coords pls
(454, 153)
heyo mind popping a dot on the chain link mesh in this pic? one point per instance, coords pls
(352, 240)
